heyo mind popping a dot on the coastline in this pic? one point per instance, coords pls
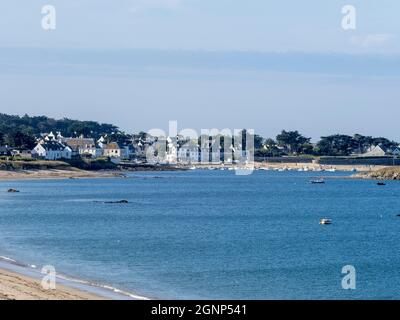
(73, 173)
(19, 281)
(298, 166)
(56, 174)
(14, 286)
(388, 173)
(317, 167)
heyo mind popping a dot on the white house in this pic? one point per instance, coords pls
(50, 137)
(189, 154)
(84, 146)
(102, 142)
(171, 154)
(52, 150)
(381, 151)
(112, 150)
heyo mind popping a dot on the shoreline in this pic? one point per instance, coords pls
(39, 174)
(20, 281)
(15, 286)
(56, 174)
(288, 166)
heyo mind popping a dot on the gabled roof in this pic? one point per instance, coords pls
(53, 146)
(79, 143)
(112, 145)
(382, 147)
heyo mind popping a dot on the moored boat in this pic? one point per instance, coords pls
(317, 181)
(325, 221)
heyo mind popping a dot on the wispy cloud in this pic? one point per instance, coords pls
(142, 5)
(133, 62)
(372, 40)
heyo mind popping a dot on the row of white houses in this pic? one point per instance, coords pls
(53, 147)
(56, 147)
(193, 153)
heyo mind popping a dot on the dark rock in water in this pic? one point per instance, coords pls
(116, 202)
(113, 202)
(12, 190)
(381, 184)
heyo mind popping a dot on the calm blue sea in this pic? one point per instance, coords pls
(211, 234)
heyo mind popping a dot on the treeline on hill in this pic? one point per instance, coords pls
(21, 132)
(294, 143)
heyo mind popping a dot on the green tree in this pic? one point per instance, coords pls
(384, 142)
(269, 149)
(361, 143)
(292, 141)
(335, 145)
(19, 139)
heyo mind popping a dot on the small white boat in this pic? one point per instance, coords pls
(325, 221)
(192, 168)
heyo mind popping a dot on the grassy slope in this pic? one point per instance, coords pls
(85, 164)
(33, 165)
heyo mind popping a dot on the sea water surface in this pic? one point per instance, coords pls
(211, 234)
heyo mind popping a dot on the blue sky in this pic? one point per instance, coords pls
(260, 64)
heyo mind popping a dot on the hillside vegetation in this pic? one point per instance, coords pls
(21, 132)
(33, 165)
(84, 164)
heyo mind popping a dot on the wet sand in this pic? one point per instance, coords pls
(55, 174)
(14, 286)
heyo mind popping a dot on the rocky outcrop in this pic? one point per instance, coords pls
(389, 173)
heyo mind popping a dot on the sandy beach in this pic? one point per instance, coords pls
(55, 174)
(14, 286)
(77, 173)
